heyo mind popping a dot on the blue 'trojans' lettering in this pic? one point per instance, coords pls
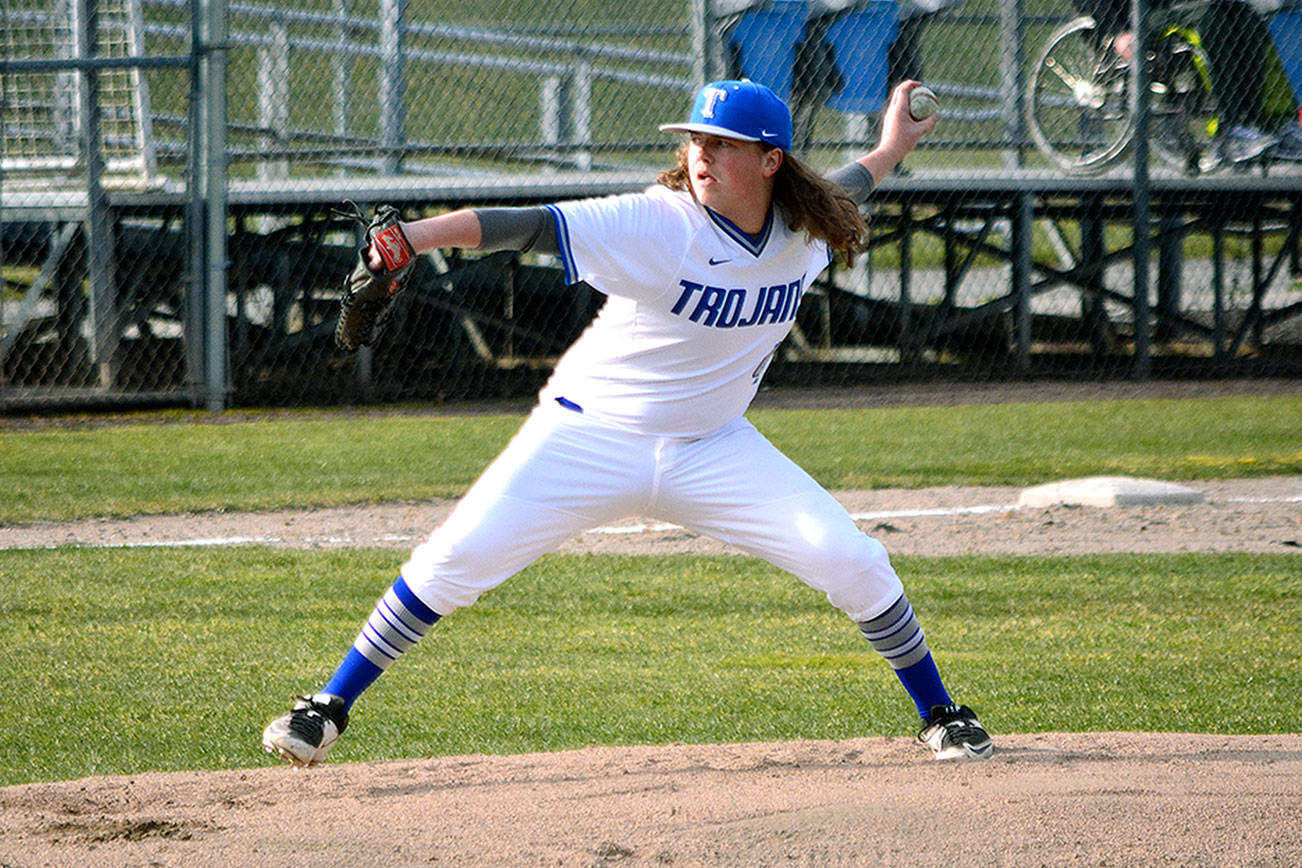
(719, 307)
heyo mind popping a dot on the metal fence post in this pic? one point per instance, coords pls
(342, 72)
(554, 113)
(707, 61)
(1012, 79)
(273, 98)
(582, 113)
(213, 181)
(195, 271)
(1141, 365)
(99, 230)
(65, 107)
(393, 82)
(566, 115)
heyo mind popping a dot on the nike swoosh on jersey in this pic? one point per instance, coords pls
(714, 261)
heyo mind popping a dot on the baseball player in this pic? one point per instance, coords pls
(643, 415)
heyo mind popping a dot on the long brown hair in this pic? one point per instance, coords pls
(809, 203)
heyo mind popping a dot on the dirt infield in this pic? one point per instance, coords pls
(1048, 799)
(1256, 515)
(1044, 799)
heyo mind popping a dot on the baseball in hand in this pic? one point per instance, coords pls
(922, 103)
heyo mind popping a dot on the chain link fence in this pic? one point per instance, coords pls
(171, 171)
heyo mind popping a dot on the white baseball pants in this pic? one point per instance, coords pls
(565, 472)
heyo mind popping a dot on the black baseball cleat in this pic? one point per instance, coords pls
(302, 735)
(954, 732)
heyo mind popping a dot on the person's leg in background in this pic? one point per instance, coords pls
(1286, 32)
(1236, 38)
(904, 58)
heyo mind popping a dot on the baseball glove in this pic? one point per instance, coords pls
(368, 296)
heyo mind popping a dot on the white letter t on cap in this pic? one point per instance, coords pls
(713, 96)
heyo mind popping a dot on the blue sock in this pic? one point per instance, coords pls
(353, 676)
(398, 622)
(897, 636)
(922, 680)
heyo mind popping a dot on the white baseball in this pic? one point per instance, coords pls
(923, 103)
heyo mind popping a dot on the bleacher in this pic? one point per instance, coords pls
(984, 261)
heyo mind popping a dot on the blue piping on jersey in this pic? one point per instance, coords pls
(568, 404)
(563, 242)
(752, 244)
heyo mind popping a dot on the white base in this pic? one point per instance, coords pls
(1108, 491)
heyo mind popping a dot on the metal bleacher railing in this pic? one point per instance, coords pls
(366, 120)
(42, 109)
(359, 116)
(331, 88)
(368, 86)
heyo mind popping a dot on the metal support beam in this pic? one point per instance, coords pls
(1023, 222)
(393, 82)
(1093, 250)
(908, 343)
(83, 64)
(1170, 273)
(1218, 289)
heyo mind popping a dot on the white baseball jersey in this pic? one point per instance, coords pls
(695, 309)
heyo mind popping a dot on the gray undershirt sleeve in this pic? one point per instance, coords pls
(528, 230)
(855, 179)
(532, 230)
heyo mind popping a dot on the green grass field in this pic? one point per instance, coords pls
(120, 661)
(307, 459)
(126, 661)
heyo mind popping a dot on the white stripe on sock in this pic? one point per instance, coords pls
(896, 635)
(391, 629)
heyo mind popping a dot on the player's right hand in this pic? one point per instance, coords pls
(900, 131)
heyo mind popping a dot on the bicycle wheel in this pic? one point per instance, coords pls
(1078, 112)
(1182, 106)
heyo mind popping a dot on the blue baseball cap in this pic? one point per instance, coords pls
(744, 109)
